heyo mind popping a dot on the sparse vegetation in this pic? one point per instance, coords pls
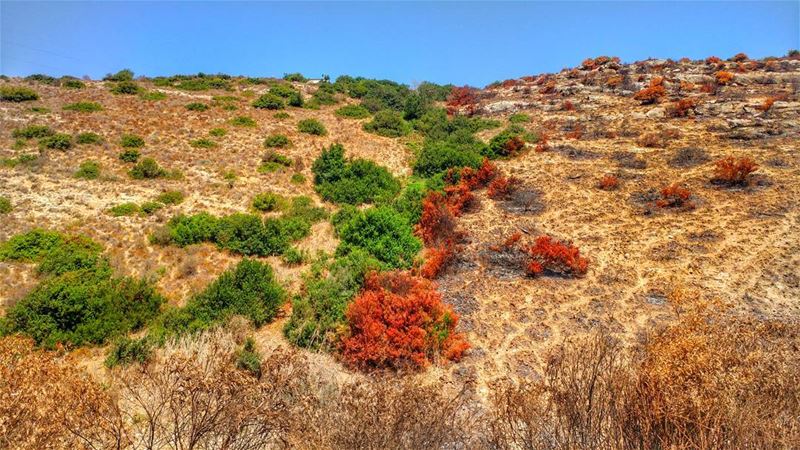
(130, 155)
(242, 121)
(57, 141)
(84, 107)
(277, 141)
(197, 106)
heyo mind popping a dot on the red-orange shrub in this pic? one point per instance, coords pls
(464, 98)
(608, 183)
(567, 106)
(501, 187)
(459, 197)
(548, 88)
(713, 60)
(723, 77)
(674, 196)
(740, 57)
(733, 171)
(550, 255)
(399, 321)
(681, 107)
(436, 224)
(653, 93)
(436, 258)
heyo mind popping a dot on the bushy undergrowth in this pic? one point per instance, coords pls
(147, 168)
(78, 300)
(383, 233)
(356, 181)
(5, 205)
(84, 107)
(353, 112)
(130, 155)
(57, 141)
(269, 101)
(17, 94)
(88, 138)
(131, 141)
(126, 88)
(312, 126)
(197, 106)
(88, 170)
(277, 141)
(33, 132)
(388, 123)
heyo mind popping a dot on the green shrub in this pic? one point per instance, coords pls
(58, 141)
(383, 233)
(149, 208)
(126, 88)
(248, 358)
(249, 289)
(282, 115)
(197, 106)
(519, 118)
(5, 205)
(84, 107)
(33, 132)
(88, 138)
(25, 159)
(73, 253)
(312, 126)
(40, 109)
(124, 209)
(202, 143)
(131, 141)
(273, 161)
(436, 125)
(122, 75)
(218, 132)
(130, 155)
(243, 121)
(352, 112)
(170, 197)
(147, 168)
(248, 235)
(318, 317)
(297, 77)
(30, 246)
(153, 96)
(277, 141)
(88, 170)
(294, 257)
(303, 208)
(269, 101)
(345, 214)
(17, 94)
(297, 178)
(287, 92)
(375, 95)
(353, 182)
(73, 83)
(409, 202)
(188, 230)
(438, 156)
(388, 123)
(498, 145)
(126, 351)
(268, 202)
(325, 94)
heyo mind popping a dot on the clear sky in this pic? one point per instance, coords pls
(461, 43)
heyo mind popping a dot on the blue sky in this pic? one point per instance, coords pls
(462, 43)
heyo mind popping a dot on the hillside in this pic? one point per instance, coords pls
(598, 145)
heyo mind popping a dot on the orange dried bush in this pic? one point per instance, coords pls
(733, 171)
(398, 321)
(464, 98)
(608, 183)
(681, 107)
(686, 86)
(740, 57)
(436, 259)
(675, 196)
(509, 83)
(713, 60)
(567, 106)
(653, 93)
(437, 223)
(550, 255)
(723, 77)
(614, 81)
(548, 88)
(501, 187)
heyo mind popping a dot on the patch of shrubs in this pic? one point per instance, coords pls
(130, 155)
(202, 143)
(356, 181)
(17, 94)
(58, 141)
(732, 171)
(268, 202)
(277, 141)
(353, 112)
(83, 107)
(388, 123)
(147, 168)
(5, 205)
(243, 121)
(126, 351)
(78, 301)
(170, 197)
(508, 143)
(438, 156)
(273, 161)
(269, 101)
(33, 132)
(153, 96)
(124, 209)
(218, 132)
(653, 93)
(608, 183)
(383, 233)
(295, 77)
(548, 255)
(126, 88)
(73, 83)
(312, 126)
(675, 196)
(88, 138)
(288, 93)
(122, 75)
(131, 141)
(519, 118)
(88, 170)
(197, 106)
(248, 358)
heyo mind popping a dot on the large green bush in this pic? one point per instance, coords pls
(383, 233)
(122, 75)
(277, 141)
(131, 141)
(32, 132)
(147, 168)
(388, 123)
(126, 88)
(5, 205)
(288, 93)
(58, 141)
(438, 156)
(83, 107)
(354, 182)
(17, 94)
(88, 138)
(353, 112)
(312, 126)
(269, 101)
(88, 170)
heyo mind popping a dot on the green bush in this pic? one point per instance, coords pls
(58, 141)
(409, 202)
(277, 141)
(325, 94)
(218, 132)
(126, 351)
(312, 126)
(5, 205)
(519, 118)
(269, 101)
(246, 234)
(126, 88)
(25, 159)
(72, 253)
(388, 123)
(170, 197)
(153, 96)
(287, 92)
(354, 182)
(375, 95)
(40, 109)
(149, 208)
(197, 106)
(122, 75)
(187, 230)
(248, 358)
(83, 107)
(318, 318)
(297, 77)
(243, 121)
(17, 94)
(33, 132)
(342, 217)
(383, 233)
(88, 138)
(73, 83)
(269, 201)
(147, 168)
(273, 161)
(281, 115)
(436, 125)
(297, 178)
(130, 155)
(202, 143)
(30, 246)
(88, 170)
(438, 156)
(416, 106)
(249, 289)
(124, 209)
(353, 112)
(131, 141)
(497, 145)
(294, 257)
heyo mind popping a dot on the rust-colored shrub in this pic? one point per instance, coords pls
(548, 88)
(723, 77)
(608, 183)
(653, 93)
(733, 171)
(740, 57)
(436, 224)
(459, 197)
(658, 139)
(509, 83)
(399, 321)
(708, 88)
(567, 106)
(462, 99)
(675, 196)
(576, 133)
(436, 259)
(501, 187)
(550, 255)
(614, 81)
(686, 86)
(713, 60)
(681, 107)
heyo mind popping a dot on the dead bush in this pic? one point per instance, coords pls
(608, 183)
(675, 196)
(732, 171)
